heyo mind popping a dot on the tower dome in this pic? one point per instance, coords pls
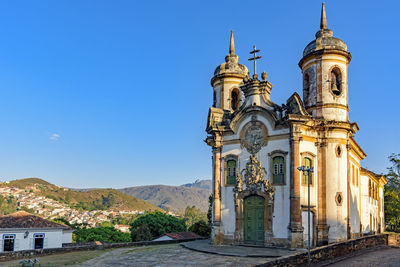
(231, 64)
(324, 39)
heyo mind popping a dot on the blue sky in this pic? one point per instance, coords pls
(116, 93)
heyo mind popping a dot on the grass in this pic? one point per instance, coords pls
(59, 259)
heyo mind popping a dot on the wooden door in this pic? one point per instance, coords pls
(254, 225)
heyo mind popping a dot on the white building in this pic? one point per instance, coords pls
(24, 231)
(259, 195)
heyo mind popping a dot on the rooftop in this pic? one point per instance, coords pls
(23, 219)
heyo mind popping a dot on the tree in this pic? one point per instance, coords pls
(104, 234)
(392, 194)
(158, 224)
(201, 228)
(193, 215)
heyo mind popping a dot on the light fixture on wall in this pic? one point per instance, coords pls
(26, 234)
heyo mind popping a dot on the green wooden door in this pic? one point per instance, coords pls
(254, 208)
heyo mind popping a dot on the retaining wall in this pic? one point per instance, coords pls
(336, 250)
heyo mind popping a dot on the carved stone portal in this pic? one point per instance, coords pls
(250, 181)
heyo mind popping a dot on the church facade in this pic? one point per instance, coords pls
(259, 195)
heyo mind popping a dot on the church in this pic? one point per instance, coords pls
(260, 197)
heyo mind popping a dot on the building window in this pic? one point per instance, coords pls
(231, 166)
(306, 86)
(214, 99)
(352, 174)
(38, 241)
(235, 99)
(8, 242)
(338, 151)
(278, 170)
(307, 162)
(336, 82)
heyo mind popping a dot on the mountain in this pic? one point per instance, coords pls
(103, 199)
(200, 184)
(174, 198)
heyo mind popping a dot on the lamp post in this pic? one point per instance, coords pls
(308, 170)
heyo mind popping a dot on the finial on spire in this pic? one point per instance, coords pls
(323, 24)
(232, 45)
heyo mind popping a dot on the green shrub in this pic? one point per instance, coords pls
(158, 224)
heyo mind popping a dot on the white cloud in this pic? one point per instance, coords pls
(54, 137)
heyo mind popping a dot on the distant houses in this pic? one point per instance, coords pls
(123, 228)
(24, 231)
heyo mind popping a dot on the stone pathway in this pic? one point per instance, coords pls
(384, 257)
(241, 251)
(167, 255)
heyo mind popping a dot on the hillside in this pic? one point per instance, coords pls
(96, 199)
(200, 184)
(175, 198)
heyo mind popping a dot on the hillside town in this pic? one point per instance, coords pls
(52, 209)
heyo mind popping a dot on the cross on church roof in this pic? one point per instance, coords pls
(254, 58)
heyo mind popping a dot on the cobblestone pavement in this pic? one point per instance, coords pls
(167, 255)
(383, 257)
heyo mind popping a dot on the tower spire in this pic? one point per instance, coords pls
(323, 24)
(232, 45)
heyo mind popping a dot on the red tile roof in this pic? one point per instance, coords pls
(23, 219)
(182, 235)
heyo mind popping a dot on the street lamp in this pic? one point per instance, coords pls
(308, 170)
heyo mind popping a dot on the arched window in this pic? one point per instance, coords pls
(278, 170)
(214, 99)
(231, 172)
(336, 82)
(307, 162)
(235, 99)
(306, 86)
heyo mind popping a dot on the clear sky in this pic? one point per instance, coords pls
(116, 93)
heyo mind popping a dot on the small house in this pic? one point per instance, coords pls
(24, 231)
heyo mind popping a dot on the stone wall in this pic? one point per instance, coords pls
(394, 240)
(70, 247)
(337, 250)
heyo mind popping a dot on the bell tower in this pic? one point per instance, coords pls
(324, 66)
(226, 81)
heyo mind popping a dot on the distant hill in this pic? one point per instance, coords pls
(175, 198)
(200, 184)
(103, 199)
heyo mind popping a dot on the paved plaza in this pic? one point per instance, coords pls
(168, 255)
(385, 257)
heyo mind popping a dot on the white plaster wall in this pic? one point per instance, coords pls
(369, 207)
(282, 192)
(365, 204)
(355, 213)
(307, 147)
(328, 61)
(336, 181)
(67, 236)
(52, 239)
(163, 238)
